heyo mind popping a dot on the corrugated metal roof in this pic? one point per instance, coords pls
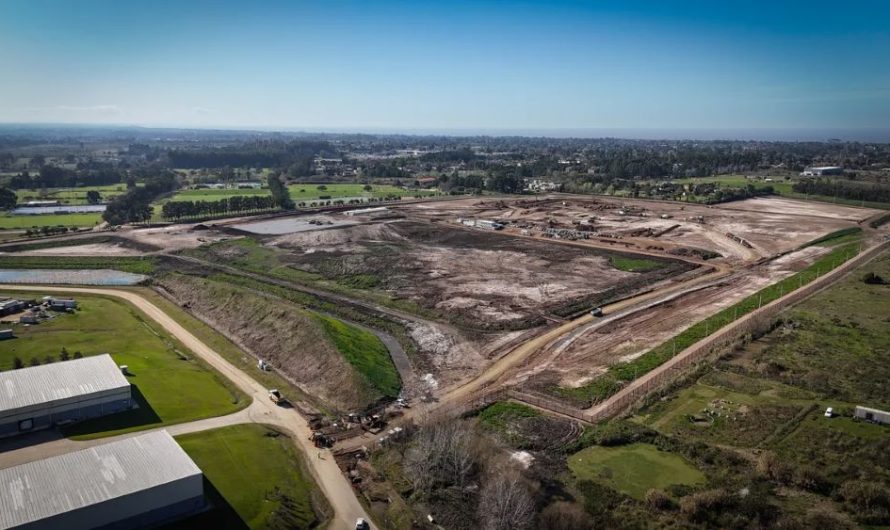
(49, 382)
(41, 489)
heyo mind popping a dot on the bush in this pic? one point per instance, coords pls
(873, 279)
(657, 500)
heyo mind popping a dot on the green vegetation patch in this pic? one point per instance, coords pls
(626, 264)
(258, 472)
(838, 237)
(135, 265)
(37, 221)
(169, 383)
(500, 415)
(634, 469)
(365, 352)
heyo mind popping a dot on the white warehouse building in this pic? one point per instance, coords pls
(41, 397)
(137, 482)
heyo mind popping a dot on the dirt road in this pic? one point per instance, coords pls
(322, 465)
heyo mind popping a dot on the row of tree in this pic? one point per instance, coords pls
(50, 176)
(280, 194)
(236, 204)
(134, 206)
(845, 189)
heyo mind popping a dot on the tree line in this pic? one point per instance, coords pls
(236, 204)
(845, 189)
(298, 153)
(134, 206)
(49, 176)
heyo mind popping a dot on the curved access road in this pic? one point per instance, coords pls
(321, 464)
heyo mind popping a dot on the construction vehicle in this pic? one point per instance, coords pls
(277, 397)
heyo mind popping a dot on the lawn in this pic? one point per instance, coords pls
(626, 264)
(633, 469)
(36, 221)
(169, 383)
(365, 352)
(259, 474)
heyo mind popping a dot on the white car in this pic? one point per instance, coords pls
(361, 524)
(829, 412)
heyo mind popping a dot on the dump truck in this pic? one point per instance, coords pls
(277, 397)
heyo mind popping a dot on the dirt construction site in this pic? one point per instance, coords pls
(476, 281)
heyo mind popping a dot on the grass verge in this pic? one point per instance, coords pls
(365, 352)
(259, 474)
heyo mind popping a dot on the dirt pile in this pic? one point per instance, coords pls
(282, 334)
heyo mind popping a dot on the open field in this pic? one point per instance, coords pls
(70, 195)
(633, 469)
(741, 231)
(259, 474)
(301, 192)
(169, 384)
(471, 278)
(770, 394)
(782, 187)
(37, 221)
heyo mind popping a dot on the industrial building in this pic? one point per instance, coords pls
(875, 415)
(822, 171)
(40, 397)
(137, 482)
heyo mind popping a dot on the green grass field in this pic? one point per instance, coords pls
(170, 384)
(364, 351)
(70, 195)
(259, 474)
(633, 469)
(634, 264)
(301, 192)
(307, 192)
(782, 187)
(36, 221)
(135, 265)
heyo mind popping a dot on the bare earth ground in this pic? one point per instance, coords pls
(472, 278)
(96, 249)
(770, 225)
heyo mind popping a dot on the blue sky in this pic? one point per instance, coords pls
(448, 65)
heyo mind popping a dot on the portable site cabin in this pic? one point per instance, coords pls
(875, 415)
